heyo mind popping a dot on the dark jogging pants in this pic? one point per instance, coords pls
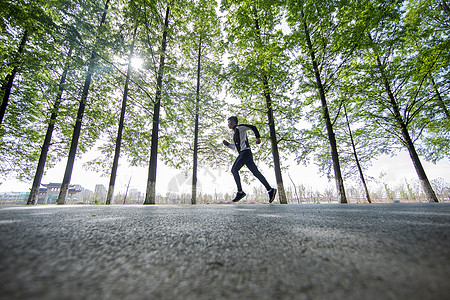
(246, 158)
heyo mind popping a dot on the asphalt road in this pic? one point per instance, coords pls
(353, 251)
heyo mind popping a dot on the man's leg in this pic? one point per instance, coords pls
(240, 161)
(254, 169)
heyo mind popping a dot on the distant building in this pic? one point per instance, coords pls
(42, 195)
(85, 197)
(14, 197)
(100, 193)
(134, 197)
(49, 194)
(100, 189)
(133, 191)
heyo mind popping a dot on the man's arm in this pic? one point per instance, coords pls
(231, 146)
(252, 128)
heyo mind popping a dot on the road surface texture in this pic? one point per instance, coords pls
(353, 251)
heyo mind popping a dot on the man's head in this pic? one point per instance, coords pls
(232, 122)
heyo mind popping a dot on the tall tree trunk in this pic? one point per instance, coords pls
(273, 139)
(331, 137)
(358, 165)
(112, 179)
(429, 192)
(48, 136)
(197, 103)
(441, 102)
(295, 189)
(8, 82)
(126, 192)
(77, 129)
(150, 195)
(272, 130)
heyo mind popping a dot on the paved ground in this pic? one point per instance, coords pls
(379, 251)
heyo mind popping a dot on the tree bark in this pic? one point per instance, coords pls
(273, 139)
(8, 82)
(48, 136)
(150, 195)
(331, 137)
(112, 178)
(272, 130)
(77, 129)
(358, 165)
(295, 189)
(126, 192)
(197, 103)
(429, 192)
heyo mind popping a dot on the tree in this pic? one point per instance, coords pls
(258, 65)
(144, 88)
(69, 34)
(112, 179)
(36, 84)
(426, 27)
(397, 107)
(197, 111)
(79, 118)
(197, 104)
(8, 81)
(325, 43)
(45, 147)
(150, 195)
(29, 19)
(355, 154)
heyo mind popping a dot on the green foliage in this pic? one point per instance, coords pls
(257, 55)
(201, 33)
(53, 28)
(327, 30)
(410, 55)
(189, 23)
(426, 34)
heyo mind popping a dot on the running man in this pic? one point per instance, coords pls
(245, 157)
